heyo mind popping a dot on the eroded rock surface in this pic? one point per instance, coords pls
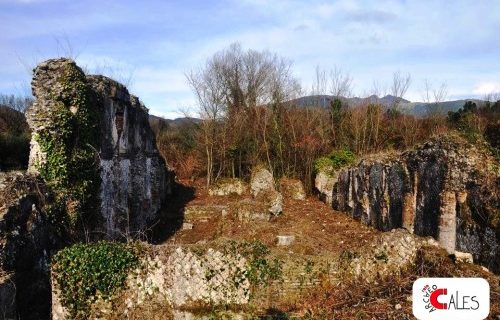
(8, 308)
(445, 188)
(324, 183)
(26, 242)
(227, 187)
(262, 180)
(263, 189)
(292, 188)
(134, 178)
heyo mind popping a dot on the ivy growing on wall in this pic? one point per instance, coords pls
(262, 269)
(70, 143)
(85, 272)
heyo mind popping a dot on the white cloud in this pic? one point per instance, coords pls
(168, 114)
(485, 88)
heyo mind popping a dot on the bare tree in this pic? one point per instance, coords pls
(434, 97)
(18, 103)
(400, 84)
(319, 86)
(335, 81)
(231, 88)
(440, 93)
(211, 101)
(378, 89)
(491, 98)
(340, 83)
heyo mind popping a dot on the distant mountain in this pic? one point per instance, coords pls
(422, 108)
(156, 121)
(414, 108)
(324, 100)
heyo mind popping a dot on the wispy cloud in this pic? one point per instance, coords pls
(485, 88)
(155, 43)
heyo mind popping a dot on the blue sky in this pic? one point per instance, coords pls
(150, 45)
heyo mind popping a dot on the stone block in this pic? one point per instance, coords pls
(285, 240)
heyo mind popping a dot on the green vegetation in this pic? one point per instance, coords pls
(334, 161)
(85, 272)
(479, 124)
(70, 143)
(14, 150)
(262, 268)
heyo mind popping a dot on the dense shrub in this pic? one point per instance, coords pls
(334, 161)
(85, 272)
(177, 144)
(14, 151)
(492, 134)
(250, 114)
(478, 122)
(14, 139)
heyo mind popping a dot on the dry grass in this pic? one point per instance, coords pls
(355, 299)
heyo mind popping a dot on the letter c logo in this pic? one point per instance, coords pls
(434, 299)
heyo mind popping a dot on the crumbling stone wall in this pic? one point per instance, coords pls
(132, 179)
(445, 188)
(178, 280)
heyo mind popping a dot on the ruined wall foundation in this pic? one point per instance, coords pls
(445, 188)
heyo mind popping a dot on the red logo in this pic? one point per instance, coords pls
(434, 299)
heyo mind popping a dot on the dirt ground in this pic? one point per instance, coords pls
(318, 231)
(317, 228)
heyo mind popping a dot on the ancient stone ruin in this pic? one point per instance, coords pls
(445, 189)
(92, 151)
(134, 180)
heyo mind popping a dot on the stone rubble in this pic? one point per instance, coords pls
(285, 240)
(227, 187)
(292, 188)
(250, 210)
(393, 251)
(464, 257)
